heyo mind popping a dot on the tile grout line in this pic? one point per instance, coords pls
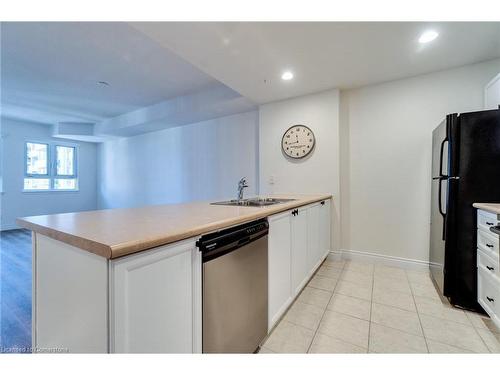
(282, 318)
(333, 292)
(371, 309)
(296, 299)
(343, 271)
(452, 321)
(447, 320)
(383, 304)
(476, 330)
(366, 320)
(418, 313)
(324, 312)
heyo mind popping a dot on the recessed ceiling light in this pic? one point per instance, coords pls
(287, 76)
(428, 36)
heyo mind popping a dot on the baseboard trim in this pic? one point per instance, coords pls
(387, 260)
(8, 227)
(334, 255)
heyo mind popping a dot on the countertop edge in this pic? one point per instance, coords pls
(70, 239)
(493, 208)
(129, 248)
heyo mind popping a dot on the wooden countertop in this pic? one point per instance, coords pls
(490, 207)
(114, 233)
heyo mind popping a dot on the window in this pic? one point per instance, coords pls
(65, 177)
(50, 167)
(37, 166)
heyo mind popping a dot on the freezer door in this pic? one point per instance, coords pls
(440, 146)
(439, 192)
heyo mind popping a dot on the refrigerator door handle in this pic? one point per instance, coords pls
(441, 157)
(442, 177)
(443, 214)
(440, 198)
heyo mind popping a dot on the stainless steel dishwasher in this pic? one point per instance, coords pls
(235, 288)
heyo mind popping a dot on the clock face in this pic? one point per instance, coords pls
(298, 141)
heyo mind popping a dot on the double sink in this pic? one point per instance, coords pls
(254, 202)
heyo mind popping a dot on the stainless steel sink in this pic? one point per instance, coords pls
(254, 202)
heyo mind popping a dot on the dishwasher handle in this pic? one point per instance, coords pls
(216, 244)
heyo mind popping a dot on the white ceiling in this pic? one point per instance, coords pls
(49, 71)
(250, 57)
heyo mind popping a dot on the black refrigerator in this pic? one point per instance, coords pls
(465, 170)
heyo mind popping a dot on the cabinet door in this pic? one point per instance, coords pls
(279, 244)
(313, 234)
(325, 227)
(300, 270)
(156, 301)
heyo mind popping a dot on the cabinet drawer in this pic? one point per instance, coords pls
(485, 220)
(488, 293)
(488, 243)
(487, 264)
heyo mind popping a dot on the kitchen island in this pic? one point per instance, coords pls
(129, 280)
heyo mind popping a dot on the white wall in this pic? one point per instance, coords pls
(201, 161)
(386, 156)
(317, 173)
(15, 202)
(492, 93)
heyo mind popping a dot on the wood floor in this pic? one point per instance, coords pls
(15, 291)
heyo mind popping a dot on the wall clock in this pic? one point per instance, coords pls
(298, 141)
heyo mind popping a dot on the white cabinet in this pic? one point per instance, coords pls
(488, 265)
(148, 302)
(325, 226)
(488, 295)
(299, 265)
(279, 270)
(155, 301)
(313, 233)
(318, 233)
(299, 240)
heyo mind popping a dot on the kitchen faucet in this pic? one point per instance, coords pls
(242, 184)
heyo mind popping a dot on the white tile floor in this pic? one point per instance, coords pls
(354, 307)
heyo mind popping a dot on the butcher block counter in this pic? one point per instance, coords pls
(113, 233)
